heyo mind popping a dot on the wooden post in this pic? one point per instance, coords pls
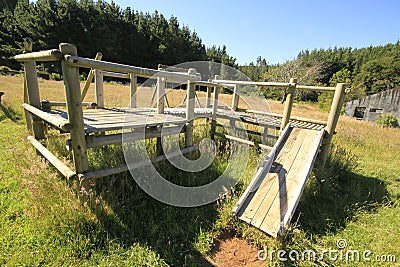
(208, 99)
(75, 113)
(160, 95)
(190, 99)
(235, 97)
(288, 103)
(133, 90)
(90, 77)
(27, 48)
(214, 110)
(99, 88)
(32, 86)
(333, 118)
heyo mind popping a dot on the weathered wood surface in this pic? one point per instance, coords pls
(75, 116)
(60, 166)
(272, 205)
(90, 77)
(48, 55)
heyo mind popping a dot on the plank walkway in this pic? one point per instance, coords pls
(109, 119)
(271, 205)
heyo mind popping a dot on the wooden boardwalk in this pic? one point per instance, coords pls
(272, 197)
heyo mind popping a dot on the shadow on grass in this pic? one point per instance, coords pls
(328, 204)
(9, 113)
(129, 216)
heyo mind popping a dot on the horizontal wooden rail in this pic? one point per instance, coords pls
(143, 163)
(64, 104)
(103, 140)
(48, 55)
(241, 140)
(60, 123)
(268, 84)
(58, 164)
(116, 74)
(121, 68)
(291, 117)
(315, 88)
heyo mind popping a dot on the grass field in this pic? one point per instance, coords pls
(45, 221)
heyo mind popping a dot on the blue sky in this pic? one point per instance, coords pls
(278, 30)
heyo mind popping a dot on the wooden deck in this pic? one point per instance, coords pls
(271, 205)
(109, 119)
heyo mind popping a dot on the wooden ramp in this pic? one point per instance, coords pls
(271, 198)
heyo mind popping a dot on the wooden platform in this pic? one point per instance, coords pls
(109, 119)
(272, 197)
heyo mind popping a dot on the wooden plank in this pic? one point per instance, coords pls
(190, 98)
(235, 97)
(264, 168)
(116, 75)
(28, 45)
(75, 114)
(59, 165)
(284, 162)
(270, 178)
(283, 206)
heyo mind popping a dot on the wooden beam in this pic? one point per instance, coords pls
(143, 163)
(90, 77)
(116, 74)
(235, 97)
(75, 113)
(32, 85)
(104, 140)
(99, 88)
(48, 55)
(133, 91)
(267, 84)
(60, 123)
(58, 164)
(190, 99)
(288, 103)
(333, 118)
(214, 110)
(115, 67)
(28, 118)
(160, 95)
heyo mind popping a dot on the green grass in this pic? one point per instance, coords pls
(46, 221)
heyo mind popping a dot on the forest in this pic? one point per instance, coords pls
(132, 37)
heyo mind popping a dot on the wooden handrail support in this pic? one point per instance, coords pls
(75, 112)
(48, 55)
(288, 103)
(333, 118)
(90, 77)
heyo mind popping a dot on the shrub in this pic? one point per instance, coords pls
(387, 120)
(55, 77)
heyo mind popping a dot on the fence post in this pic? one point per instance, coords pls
(133, 90)
(333, 118)
(75, 113)
(160, 95)
(99, 88)
(208, 99)
(190, 98)
(214, 110)
(28, 117)
(32, 86)
(235, 97)
(288, 103)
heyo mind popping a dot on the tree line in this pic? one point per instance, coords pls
(367, 70)
(122, 35)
